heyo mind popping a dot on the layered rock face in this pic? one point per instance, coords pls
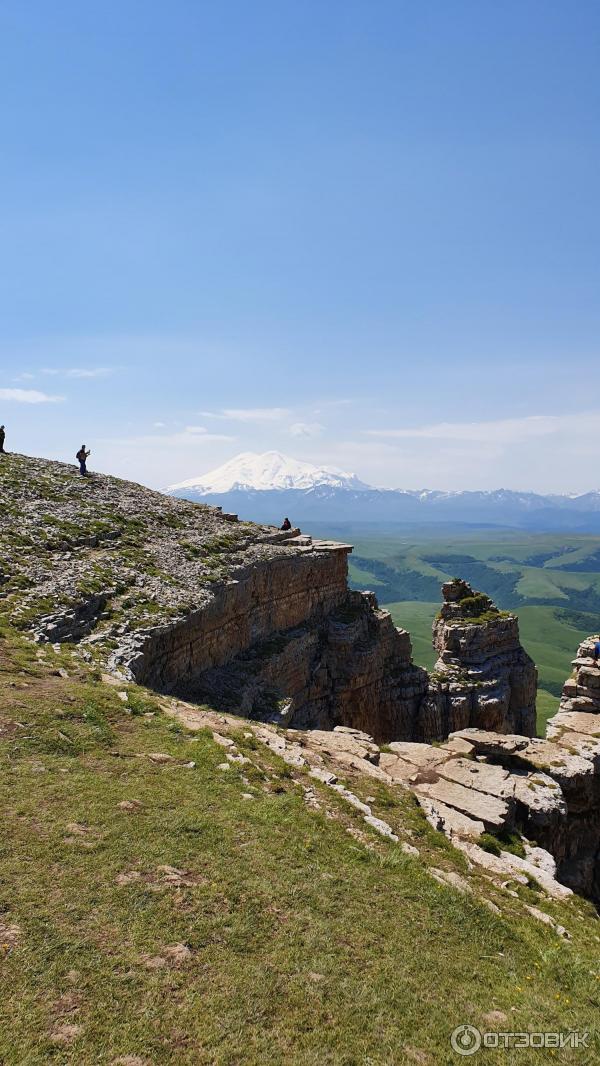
(483, 677)
(560, 808)
(350, 666)
(254, 604)
(574, 732)
(288, 642)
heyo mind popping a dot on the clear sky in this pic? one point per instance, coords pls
(363, 233)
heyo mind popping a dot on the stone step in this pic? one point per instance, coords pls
(421, 755)
(496, 814)
(450, 821)
(577, 722)
(575, 743)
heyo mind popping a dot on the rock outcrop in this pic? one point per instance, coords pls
(575, 733)
(546, 790)
(483, 677)
(526, 810)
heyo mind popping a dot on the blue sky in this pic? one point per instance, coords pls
(362, 233)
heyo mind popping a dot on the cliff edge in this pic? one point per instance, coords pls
(183, 598)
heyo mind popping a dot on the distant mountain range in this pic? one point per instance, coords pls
(268, 487)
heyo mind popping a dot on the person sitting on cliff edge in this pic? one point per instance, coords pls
(596, 652)
(81, 457)
(286, 525)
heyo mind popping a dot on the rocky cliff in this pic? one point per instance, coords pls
(483, 677)
(181, 597)
(188, 601)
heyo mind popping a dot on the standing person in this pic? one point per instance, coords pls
(2, 439)
(82, 457)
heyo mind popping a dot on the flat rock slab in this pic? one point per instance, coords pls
(560, 764)
(486, 742)
(292, 754)
(381, 827)
(451, 879)
(542, 797)
(335, 742)
(492, 780)
(398, 769)
(495, 813)
(578, 722)
(449, 821)
(352, 799)
(550, 885)
(358, 734)
(346, 760)
(458, 746)
(420, 755)
(576, 743)
(325, 776)
(531, 753)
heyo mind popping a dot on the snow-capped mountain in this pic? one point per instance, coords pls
(266, 487)
(270, 471)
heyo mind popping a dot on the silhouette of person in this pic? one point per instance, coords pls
(81, 456)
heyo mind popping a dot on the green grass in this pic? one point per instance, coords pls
(418, 619)
(552, 643)
(303, 946)
(546, 706)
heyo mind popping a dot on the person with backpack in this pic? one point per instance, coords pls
(81, 457)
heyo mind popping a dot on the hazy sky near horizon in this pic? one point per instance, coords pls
(362, 233)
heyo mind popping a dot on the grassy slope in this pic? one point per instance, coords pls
(306, 947)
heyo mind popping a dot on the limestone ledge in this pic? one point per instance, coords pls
(265, 599)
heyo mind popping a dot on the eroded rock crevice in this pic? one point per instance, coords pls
(286, 641)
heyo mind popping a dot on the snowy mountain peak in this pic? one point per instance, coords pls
(251, 471)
